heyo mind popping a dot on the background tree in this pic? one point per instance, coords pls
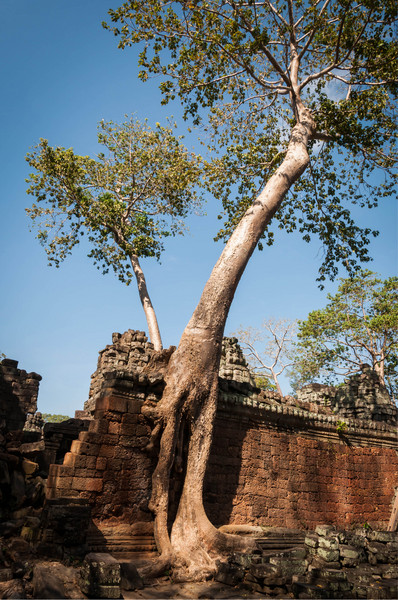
(298, 99)
(268, 350)
(359, 325)
(50, 418)
(126, 201)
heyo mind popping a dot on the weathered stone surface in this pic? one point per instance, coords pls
(324, 530)
(330, 543)
(311, 541)
(129, 577)
(328, 555)
(383, 536)
(47, 584)
(100, 576)
(349, 551)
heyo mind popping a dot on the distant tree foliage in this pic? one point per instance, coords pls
(49, 418)
(358, 326)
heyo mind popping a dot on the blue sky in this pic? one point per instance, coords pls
(61, 73)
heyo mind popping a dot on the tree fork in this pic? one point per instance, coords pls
(192, 379)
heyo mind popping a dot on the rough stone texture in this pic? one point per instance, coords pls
(129, 352)
(100, 576)
(273, 463)
(18, 394)
(360, 397)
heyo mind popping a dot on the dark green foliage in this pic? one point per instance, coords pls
(358, 326)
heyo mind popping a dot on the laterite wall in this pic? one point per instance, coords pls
(272, 463)
(265, 474)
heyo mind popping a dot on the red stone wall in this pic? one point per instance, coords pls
(272, 463)
(107, 465)
(266, 468)
(271, 477)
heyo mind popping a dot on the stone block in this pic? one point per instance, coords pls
(64, 483)
(98, 426)
(134, 406)
(324, 530)
(330, 543)
(101, 463)
(347, 551)
(87, 484)
(288, 566)
(100, 576)
(47, 585)
(114, 428)
(328, 555)
(112, 404)
(311, 540)
(383, 536)
(106, 451)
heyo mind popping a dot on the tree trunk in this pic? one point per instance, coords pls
(153, 327)
(378, 366)
(276, 382)
(190, 396)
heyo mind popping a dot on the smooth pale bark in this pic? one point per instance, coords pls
(276, 382)
(190, 398)
(153, 327)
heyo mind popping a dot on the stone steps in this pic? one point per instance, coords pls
(122, 546)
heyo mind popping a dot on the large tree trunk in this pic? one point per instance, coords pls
(190, 397)
(153, 327)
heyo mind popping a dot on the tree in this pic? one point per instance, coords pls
(298, 99)
(50, 418)
(126, 201)
(275, 340)
(359, 325)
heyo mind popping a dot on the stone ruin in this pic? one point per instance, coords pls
(361, 396)
(278, 468)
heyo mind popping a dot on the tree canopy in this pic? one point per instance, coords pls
(295, 100)
(126, 201)
(244, 69)
(358, 326)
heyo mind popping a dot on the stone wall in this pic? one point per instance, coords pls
(18, 394)
(360, 397)
(273, 462)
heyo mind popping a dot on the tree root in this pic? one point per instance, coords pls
(155, 567)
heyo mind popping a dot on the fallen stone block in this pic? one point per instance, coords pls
(331, 543)
(100, 576)
(324, 530)
(329, 555)
(311, 540)
(383, 536)
(29, 467)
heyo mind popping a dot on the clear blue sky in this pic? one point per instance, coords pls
(61, 73)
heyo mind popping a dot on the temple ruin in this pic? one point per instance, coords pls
(281, 465)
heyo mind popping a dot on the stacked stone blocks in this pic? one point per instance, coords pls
(272, 462)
